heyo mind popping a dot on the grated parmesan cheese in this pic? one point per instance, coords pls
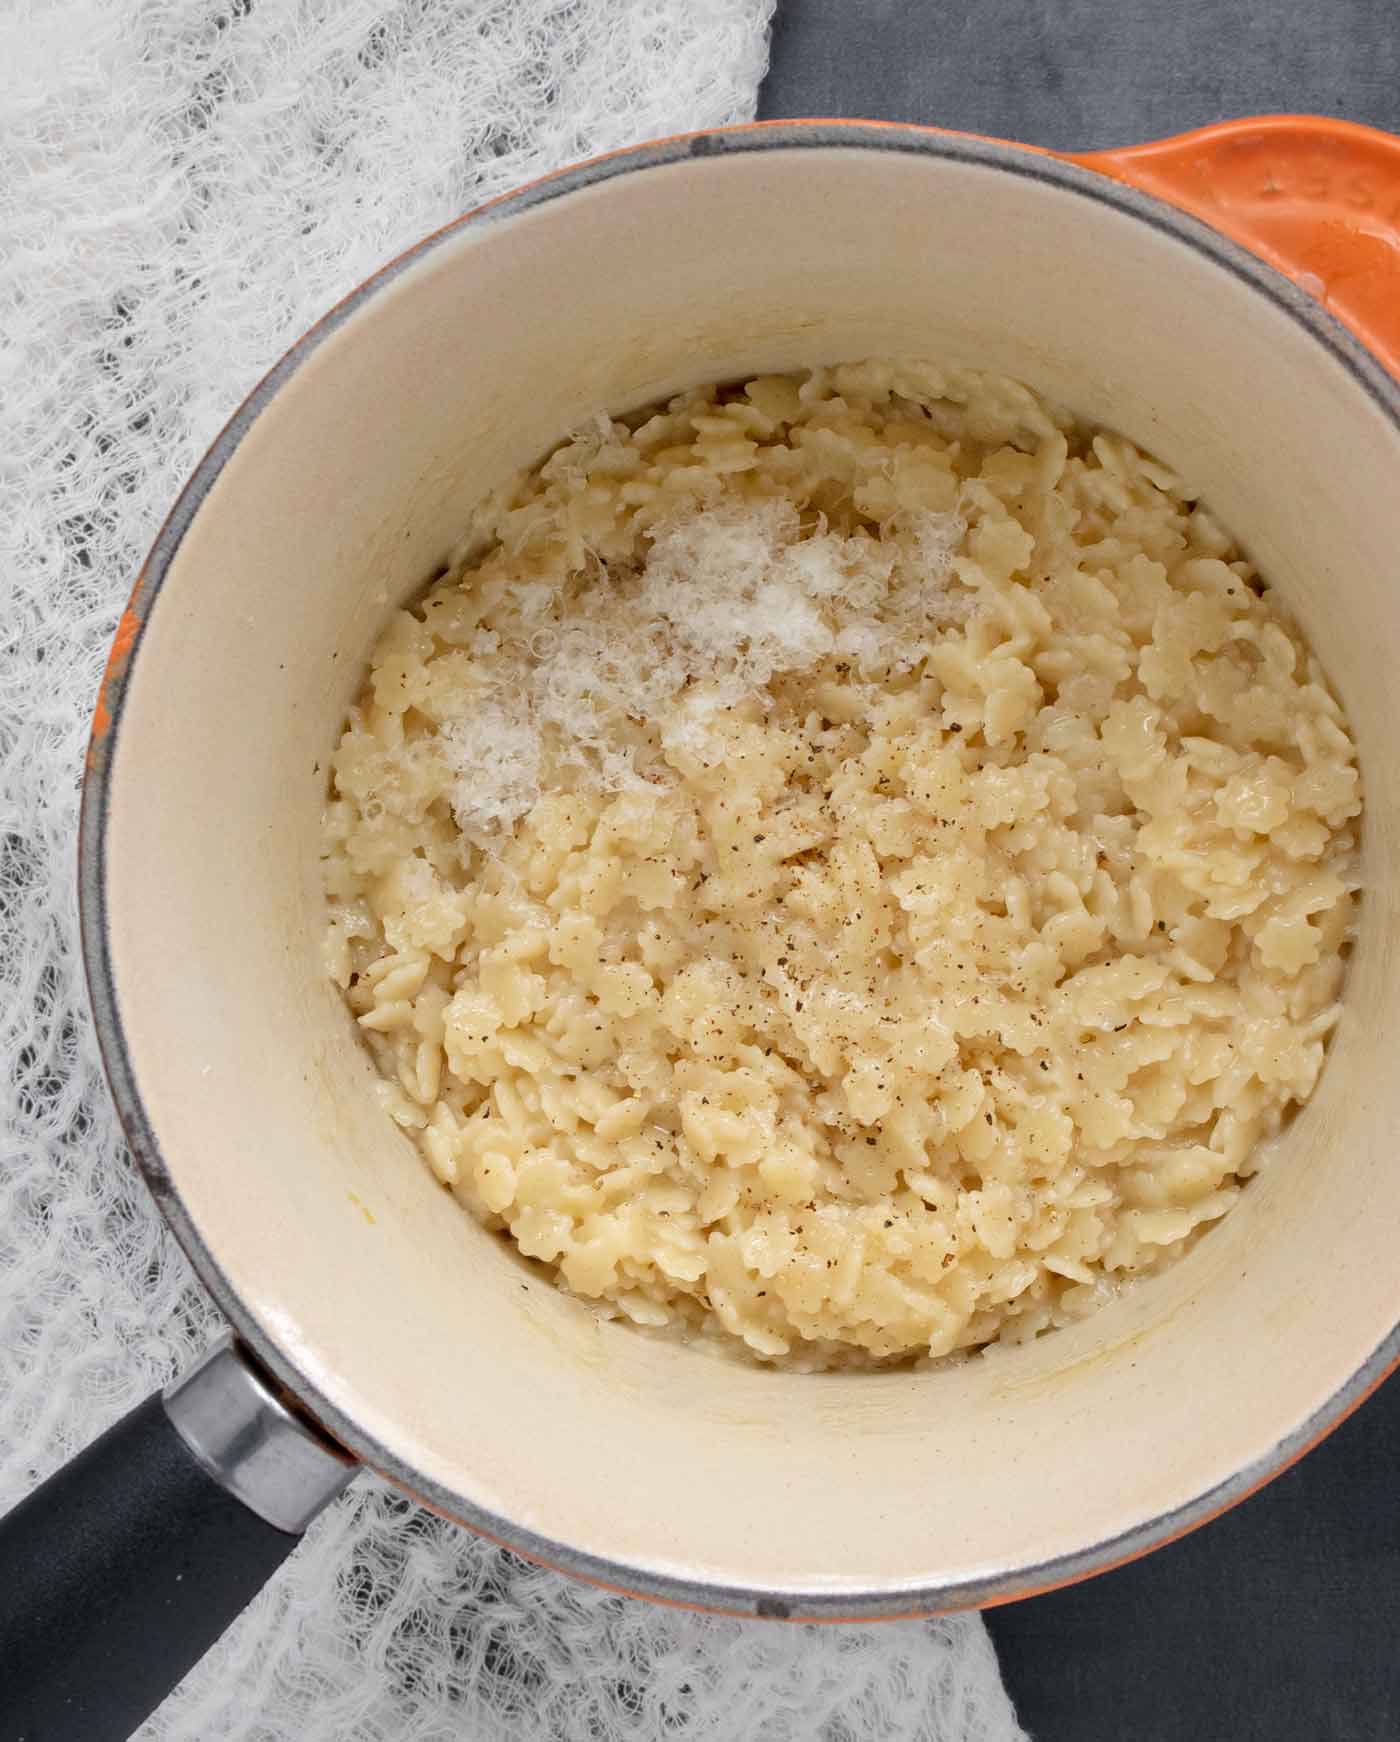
(726, 596)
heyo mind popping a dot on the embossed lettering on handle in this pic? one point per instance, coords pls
(1318, 199)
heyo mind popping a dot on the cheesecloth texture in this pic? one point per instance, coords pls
(184, 186)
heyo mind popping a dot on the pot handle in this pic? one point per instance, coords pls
(1317, 198)
(122, 1569)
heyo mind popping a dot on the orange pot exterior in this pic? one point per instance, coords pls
(1319, 199)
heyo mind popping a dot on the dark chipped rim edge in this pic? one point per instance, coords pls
(634, 1579)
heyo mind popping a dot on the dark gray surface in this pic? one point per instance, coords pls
(1084, 73)
(1279, 1622)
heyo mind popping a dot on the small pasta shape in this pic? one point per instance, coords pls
(854, 865)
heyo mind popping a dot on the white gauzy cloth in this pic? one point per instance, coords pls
(184, 186)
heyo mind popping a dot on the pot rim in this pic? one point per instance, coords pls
(996, 1586)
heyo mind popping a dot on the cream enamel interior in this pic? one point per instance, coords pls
(496, 1397)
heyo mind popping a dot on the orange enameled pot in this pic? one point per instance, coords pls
(415, 1340)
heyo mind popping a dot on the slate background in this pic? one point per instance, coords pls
(1279, 1622)
(1084, 73)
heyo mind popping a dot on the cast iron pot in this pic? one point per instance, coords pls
(373, 1322)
